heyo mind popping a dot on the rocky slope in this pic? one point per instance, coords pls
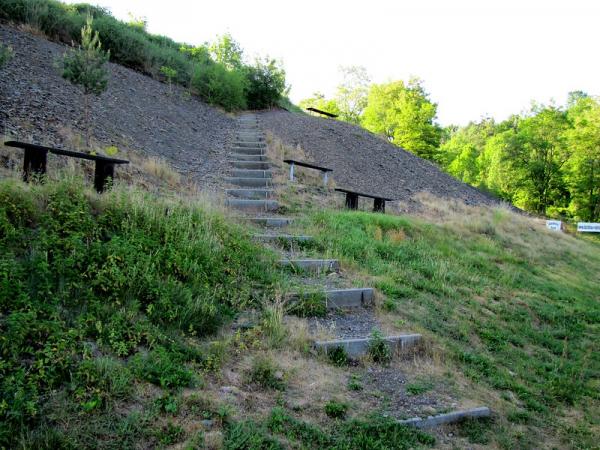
(365, 162)
(136, 112)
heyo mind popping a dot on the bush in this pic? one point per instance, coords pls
(379, 349)
(215, 84)
(266, 374)
(266, 84)
(335, 409)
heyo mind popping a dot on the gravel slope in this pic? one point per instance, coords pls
(136, 111)
(365, 162)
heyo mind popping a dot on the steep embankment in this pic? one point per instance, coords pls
(136, 112)
(367, 163)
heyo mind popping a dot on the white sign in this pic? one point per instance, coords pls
(554, 225)
(588, 227)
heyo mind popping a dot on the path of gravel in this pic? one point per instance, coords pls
(364, 161)
(136, 111)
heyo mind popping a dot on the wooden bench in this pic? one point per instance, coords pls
(324, 170)
(325, 113)
(34, 162)
(352, 200)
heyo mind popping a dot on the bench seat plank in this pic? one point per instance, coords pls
(352, 200)
(306, 164)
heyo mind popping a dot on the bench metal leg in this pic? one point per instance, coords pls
(292, 172)
(34, 163)
(325, 178)
(351, 201)
(104, 171)
(379, 205)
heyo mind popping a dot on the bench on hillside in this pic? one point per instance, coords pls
(325, 113)
(352, 200)
(34, 162)
(293, 162)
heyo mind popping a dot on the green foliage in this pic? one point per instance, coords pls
(86, 65)
(335, 409)
(418, 387)
(265, 83)
(169, 434)
(379, 349)
(215, 84)
(309, 304)
(352, 94)
(338, 356)
(6, 54)
(354, 383)
(266, 374)
(403, 113)
(544, 161)
(126, 275)
(319, 101)
(220, 75)
(249, 435)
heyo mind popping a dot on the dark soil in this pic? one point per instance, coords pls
(136, 112)
(365, 162)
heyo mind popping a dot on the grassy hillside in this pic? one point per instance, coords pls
(112, 310)
(510, 305)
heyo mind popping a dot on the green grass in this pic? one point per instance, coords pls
(516, 308)
(100, 295)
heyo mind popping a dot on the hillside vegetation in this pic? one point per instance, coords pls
(112, 310)
(216, 72)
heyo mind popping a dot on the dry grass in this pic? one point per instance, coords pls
(160, 169)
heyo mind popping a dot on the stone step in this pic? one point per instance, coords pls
(250, 182)
(313, 265)
(251, 173)
(249, 151)
(250, 193)
(344, 298)
(253, 205)
(242, 157)
(272, 222)
(256, 165)
(249, 144)
(357, 347)
(349, 298)
(287, 238)
(251, 136)
(448, 418)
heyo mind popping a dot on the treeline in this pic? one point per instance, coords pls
(216, 72)
(545, 160)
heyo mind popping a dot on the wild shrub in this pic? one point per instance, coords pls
(6, 54)
(265, 84)
(266, 374)
(216, 84)
(335, 409)
(338, 356)
(379, 349)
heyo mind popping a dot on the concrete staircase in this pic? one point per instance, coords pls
(253, 194)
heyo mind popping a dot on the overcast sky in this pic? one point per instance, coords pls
(476, 57)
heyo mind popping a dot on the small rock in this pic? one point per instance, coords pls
(229, 390)
(207, 423)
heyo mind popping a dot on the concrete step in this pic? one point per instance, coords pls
(242, 157)
(251, 173)
(448, 418)
(253, 205)
(357, 347)
(272, 222)
(249, 144)
(250, 136)
(255, 165)
(349, 298)
(344, 298)
(248, 151)
(250, 182)
(312, 265)
(286, 238)
(250, 193)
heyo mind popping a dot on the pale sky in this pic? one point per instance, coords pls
(476, 57)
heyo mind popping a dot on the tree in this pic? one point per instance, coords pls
(404, 114)
(319, 101)
(227, 51)
(265, 83)
(85, 67)
(582, 174)
(352, 94)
